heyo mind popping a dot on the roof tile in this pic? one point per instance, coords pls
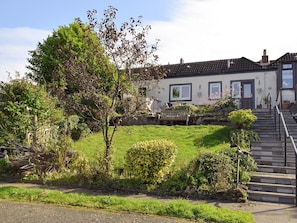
(212, 67)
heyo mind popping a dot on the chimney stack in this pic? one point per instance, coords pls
(265, 59)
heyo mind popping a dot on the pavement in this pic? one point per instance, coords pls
(263, 212)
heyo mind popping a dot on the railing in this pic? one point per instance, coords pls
(269, 102)
(295, 149)
(281, 120)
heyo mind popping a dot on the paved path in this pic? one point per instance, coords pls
(263, 212)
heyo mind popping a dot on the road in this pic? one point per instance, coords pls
(12, 212)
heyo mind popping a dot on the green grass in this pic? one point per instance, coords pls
(177, 208)
(189, 140)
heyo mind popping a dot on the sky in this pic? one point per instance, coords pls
(195, 30)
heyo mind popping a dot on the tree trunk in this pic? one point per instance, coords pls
(108, 156)
(35, 129)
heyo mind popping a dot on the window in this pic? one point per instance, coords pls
(180, 92)
(236, 90)
(287, 76)
(287, 66)
(247, 91)
(215, 90)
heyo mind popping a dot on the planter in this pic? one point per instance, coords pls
(286, 105)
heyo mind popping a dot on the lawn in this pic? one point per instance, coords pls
(189, 140)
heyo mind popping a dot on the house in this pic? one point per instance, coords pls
(249, 82)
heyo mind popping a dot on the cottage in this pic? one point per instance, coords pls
(250, 83)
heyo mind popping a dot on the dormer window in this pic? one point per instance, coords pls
(287, 76)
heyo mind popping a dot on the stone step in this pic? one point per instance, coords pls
(264, 127)
(273, 182)
(273, 157)
(267, 136)
(280, 153)
(259, 152)
(276, 169)
(273, 178)
(271, 197)
(276, 188)
(278, 163)
(260, 147)
(271, 144)
(265, 121)
(271, 134)
(277, 147)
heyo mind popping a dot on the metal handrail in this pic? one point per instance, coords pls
(283, 121)
(287, 135)
(295, 149)
(269, 102)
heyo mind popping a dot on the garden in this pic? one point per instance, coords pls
(198, 161)
(63, 124)
(178, 161)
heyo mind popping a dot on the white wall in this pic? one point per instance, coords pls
(264, 82)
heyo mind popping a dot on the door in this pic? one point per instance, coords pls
(243, 91)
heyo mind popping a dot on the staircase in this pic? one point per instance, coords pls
(273, 181)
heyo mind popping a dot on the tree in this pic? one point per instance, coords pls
(134, 59)
(49, 62)
(91, 69)
(25, 110)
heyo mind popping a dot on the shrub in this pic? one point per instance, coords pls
(178, 182)
(80, 131)
(212, 172)
(192, 108)
(243, 118)
(225, 105)
(150, 160)
(243, 138)
(74, 127)
(247, 165)
(4, 166)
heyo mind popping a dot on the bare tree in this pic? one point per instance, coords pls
(135, 61)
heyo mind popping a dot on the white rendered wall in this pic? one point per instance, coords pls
(264, 83)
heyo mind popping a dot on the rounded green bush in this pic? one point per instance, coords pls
(150, 160)
(243, 118)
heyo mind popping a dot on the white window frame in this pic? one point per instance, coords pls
(180, 92)
(213, 95)
(236, 89)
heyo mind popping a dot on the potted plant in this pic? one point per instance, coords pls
(286, 104)
(265, 99)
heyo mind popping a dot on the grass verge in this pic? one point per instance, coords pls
(176, 208)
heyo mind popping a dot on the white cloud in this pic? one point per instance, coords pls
(216, 29)
(14, 47)
(197, 30)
